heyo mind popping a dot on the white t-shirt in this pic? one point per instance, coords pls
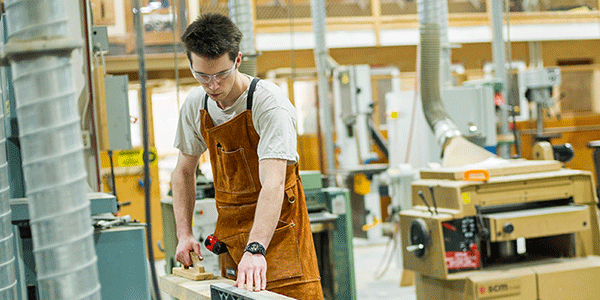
(273, 117)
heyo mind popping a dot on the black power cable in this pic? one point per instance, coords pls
(112, 174)
(139, 42)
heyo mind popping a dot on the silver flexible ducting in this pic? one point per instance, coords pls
(445, 55)
(240, 12)
(319, 17)
(8, 281)
(499, 55)
(52, 147)
(435, 113)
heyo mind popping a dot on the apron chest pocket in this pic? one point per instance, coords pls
(233, 172)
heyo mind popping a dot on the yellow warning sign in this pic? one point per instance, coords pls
(134, 157)
(466, 197)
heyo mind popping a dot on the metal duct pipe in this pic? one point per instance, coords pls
(42, 36)
(319, 17)
(445, 56)
(499, 55)
(8, 281)
(435, 113)
(240, 12)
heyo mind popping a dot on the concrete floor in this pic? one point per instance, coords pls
(367, 259)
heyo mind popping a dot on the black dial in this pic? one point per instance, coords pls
(419, 236)
(255, 248)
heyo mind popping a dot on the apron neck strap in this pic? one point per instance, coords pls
(251, 93)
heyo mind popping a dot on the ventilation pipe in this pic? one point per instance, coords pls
(319, 17)
(445, 57)
(240, 12)
(499, 55)
(429, 20)
(41, 38)
(8, 281)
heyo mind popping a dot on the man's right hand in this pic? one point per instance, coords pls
(184, 247)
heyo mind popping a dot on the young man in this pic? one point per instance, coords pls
(249, 129)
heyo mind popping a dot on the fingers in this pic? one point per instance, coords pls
(241, 277)
(196, 247)
(183, 259)
(249, 281)
(184, 247)
(257, 281)
(252, 273)
(263, 278)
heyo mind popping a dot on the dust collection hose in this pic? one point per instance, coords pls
(321, 53)
(41, 38)
(240, 12)
(435, 113)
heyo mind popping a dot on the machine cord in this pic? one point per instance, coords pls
(139, 39)
(387, 257)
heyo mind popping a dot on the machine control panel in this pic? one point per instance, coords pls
(461, 242)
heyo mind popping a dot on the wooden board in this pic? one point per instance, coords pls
(495, 167)
(460, 152)
(192, 274)
(185, 289)
(196, 272)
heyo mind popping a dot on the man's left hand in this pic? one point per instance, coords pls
(252, 271)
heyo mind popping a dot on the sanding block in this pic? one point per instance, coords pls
(196, 272)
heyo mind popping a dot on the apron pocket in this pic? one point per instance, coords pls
(283, 254)
(283, 261)
(233, 172)
(233, 219)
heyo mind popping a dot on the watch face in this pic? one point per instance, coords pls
(255, 248)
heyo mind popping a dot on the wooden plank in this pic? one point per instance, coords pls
(510, 167)
(185, 289)
(196, 272)
(192, 274)
(100, 99)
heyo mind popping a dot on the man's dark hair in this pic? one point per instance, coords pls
(211, 36)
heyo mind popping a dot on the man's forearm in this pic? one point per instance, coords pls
(184, 198)
(268, 210)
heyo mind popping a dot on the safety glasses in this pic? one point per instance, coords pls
(218, 77)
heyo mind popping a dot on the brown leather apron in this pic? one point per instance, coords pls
(291, 260)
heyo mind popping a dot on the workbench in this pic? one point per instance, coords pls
(185, 289)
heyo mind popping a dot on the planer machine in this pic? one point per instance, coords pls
(503, 229)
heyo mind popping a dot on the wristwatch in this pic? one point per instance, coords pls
(255, 248)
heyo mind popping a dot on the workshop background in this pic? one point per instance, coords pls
(520, 79)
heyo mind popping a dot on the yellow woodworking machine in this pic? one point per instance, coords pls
(503, 229)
